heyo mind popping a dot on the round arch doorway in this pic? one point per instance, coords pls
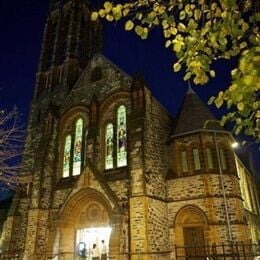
(84, 221)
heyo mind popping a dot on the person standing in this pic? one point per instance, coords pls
(95, 252)
(103, 250)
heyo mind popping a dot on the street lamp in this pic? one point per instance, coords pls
(221, 176)
(235, 145)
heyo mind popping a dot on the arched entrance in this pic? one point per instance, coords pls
(84, 220)
(191, 231)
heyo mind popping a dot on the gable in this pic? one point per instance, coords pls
(100, 78)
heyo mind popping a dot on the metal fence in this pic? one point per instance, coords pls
(233, 251)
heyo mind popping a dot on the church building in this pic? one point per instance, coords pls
(104, 160)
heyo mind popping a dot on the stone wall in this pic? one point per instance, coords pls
(157, 127)
(204, 192)
(157, 226)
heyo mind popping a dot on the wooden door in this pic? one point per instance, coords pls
(194, 242)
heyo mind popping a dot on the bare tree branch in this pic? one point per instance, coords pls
(11, 146)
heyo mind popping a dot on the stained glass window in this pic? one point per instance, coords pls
(77, 152)
(66, 157)
(196, 157)
(109, 146)
(121, 137)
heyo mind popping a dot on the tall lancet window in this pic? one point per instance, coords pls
(77, 151)
(109, 146)
(121, 137)
(73, 149)
(66, 157)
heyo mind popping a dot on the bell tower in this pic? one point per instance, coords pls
(70, 39)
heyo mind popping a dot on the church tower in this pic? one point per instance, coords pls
(70, 39)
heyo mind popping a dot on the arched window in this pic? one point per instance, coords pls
(109, 146)
(66, 157)
(121, 137)
(72, 157)
(184, 161)
(209, 158)
(196, 158)
(77, 153)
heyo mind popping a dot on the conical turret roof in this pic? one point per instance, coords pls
(194, 115)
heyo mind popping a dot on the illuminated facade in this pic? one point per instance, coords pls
(105, 161)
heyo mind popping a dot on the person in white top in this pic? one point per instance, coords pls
(103, 251)
(95, 252)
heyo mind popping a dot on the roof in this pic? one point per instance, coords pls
(195, 115)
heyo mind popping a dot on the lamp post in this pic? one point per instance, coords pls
(222, 182)
(223, 188)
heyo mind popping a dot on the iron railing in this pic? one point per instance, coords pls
(233, 251)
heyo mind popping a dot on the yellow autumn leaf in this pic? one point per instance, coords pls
(176, 67)
(197, 14)
(102, 13)
(240, 106)
(126, 11)
(117, 12)
(212, 73)
(139, 30)
(168, 43)
(109, 17)
(177, 46)
(165, 24)
(108, 6)
(94, 16)
(129, 25)
(258, 114)
(181, 27)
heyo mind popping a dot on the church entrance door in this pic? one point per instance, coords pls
(85, 238)
(194, 242)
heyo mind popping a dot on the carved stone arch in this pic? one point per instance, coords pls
(190, 214)
(114, 98)
(72, 114)
(190, 220)
(85, 209)
(70, 211)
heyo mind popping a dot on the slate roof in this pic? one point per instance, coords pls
(193, 115)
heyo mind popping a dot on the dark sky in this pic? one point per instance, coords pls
(22, 24)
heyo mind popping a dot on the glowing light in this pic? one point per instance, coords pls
(234, 145)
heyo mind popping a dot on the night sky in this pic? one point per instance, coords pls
(22, 24)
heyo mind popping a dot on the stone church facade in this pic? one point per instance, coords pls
(102, 153)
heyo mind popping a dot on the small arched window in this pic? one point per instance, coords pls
(196, 158)
(72, 157)
(66, 157)
(121, 137)
(109, 146)
(209, 158)
(184, 162)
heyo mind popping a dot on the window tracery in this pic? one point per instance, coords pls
(116, 141)
(109, 146)
(72, 153)
(121, 137)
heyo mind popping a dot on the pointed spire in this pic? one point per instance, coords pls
(193, 114)
(190, 89)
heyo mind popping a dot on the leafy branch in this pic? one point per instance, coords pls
(199, 32)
